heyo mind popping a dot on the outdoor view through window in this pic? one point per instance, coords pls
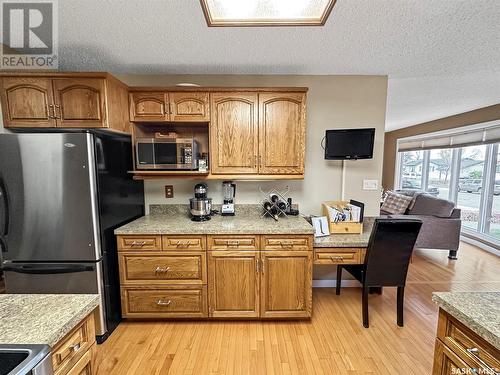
(468, 176)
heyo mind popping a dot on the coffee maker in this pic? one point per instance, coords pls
(200, 206)
(229, 192)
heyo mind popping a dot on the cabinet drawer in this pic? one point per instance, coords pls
(465, 343)
(139, 242)
(172, 302)
(337, 256)
(287, 242)
(233, 242)
(85, 366)
(184, 243)
(68, 351)
(179, 268)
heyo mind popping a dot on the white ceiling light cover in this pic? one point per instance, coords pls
(266, 12)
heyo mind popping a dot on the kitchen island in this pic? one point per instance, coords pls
(468, 334)
(63, 322)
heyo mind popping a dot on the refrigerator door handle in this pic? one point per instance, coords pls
(4, 199)
(47, 270)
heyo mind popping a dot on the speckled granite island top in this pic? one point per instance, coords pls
(42, 318)
(480, 311)
(176, 220)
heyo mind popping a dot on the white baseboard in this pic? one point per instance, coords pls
(333, 283)
(480, 244)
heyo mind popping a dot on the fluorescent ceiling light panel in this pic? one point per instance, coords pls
(266, 12)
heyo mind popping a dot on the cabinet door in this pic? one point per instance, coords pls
(149, 106)
(233, 284)
(189, 106)
(79, 102)
(446, 362)
(286, 284)
(234, 133)
(281, 133)
(27, 102)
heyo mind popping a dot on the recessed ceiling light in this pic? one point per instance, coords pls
(267, 12)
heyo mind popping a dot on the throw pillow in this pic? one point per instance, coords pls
(396, 203)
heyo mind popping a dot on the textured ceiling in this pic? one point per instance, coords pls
(442, 56)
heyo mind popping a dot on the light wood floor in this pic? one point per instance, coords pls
(333, 342)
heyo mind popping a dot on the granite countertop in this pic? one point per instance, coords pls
(175, 219)
(348, 240)
(42, 318)
(480, 311)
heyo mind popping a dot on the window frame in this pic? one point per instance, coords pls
(491, 159)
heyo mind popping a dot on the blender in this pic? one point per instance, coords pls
(229, 192)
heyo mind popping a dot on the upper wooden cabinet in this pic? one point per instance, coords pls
(65, 100)
(27, 102)
(149, 106)
(169, 106)
(79, 102)
(189, 106)
(234, 136)
(258, 133)
(281, 133)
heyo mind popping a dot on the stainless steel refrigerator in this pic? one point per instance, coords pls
(61, 197)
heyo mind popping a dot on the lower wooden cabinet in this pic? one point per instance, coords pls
(165, 302)
(461, 351)
(233, 284)
(216, 276)
(75, 353)
(85, 366)
(286, 284)
(446, 362)
(339, 255)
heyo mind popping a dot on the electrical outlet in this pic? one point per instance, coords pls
(169, 191)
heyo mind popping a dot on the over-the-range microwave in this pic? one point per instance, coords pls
(166, 153)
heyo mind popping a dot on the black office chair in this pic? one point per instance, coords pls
(386, 261)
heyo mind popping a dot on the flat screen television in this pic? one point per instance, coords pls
(349, 144)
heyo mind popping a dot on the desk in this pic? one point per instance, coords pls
(343, 248)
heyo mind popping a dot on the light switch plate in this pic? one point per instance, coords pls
(370, 184)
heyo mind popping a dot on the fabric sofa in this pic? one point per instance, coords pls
(440, 218)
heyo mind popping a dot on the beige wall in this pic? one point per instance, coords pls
(333, 102)
(463, 119)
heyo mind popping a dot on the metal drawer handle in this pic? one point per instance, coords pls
(161, 269)
(233, 243)
(184, 244)
(286, 244)
(337, 257)
(490, 370)
(163, 303)
(141, 244)
(75, 347)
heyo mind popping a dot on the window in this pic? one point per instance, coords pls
(470, 184)
(411, 169)
(492, 206)
(439, 175)
(468, 176)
